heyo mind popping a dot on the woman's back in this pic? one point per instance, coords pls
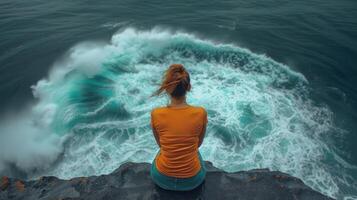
(179, 130)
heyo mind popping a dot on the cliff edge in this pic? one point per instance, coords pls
(132, 181)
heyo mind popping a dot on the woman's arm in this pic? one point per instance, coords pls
(202, 135)
(156, 135)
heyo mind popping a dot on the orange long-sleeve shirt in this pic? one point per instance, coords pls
(178, 129)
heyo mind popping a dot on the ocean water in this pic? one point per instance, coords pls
(276, 77)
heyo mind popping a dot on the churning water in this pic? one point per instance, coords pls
(93, 111)
(76, 76)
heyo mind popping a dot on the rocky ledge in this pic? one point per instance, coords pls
(132, 181)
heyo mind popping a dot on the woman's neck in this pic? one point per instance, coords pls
(178, 102)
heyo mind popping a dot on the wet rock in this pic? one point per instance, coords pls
(132, 181)
(4, 183)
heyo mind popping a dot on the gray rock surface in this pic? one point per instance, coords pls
(132, 181)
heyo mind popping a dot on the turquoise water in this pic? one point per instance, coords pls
(75, 80)
(93, 111)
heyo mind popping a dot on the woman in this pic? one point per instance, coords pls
(179, 129)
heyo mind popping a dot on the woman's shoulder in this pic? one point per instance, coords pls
(158, 109)
(201, 108)
(165, 108)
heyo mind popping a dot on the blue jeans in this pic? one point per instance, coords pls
(178, 184)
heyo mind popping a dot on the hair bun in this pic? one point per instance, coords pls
(177, 67)
(178, 71)
(176, 81)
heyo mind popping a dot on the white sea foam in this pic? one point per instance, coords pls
(26, 143)
(260, 114)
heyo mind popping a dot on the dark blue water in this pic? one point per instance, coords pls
(316, 39)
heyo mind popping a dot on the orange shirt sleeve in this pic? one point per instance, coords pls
(205, 121)
(152, 120)
(156, 134)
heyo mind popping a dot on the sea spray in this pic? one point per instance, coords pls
(259, 111)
